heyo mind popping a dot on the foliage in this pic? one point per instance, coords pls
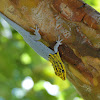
(94, 3)
(18, 62)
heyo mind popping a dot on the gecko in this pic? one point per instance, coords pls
(56, 61)
(40, 48)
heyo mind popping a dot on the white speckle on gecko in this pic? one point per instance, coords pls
(32, 40)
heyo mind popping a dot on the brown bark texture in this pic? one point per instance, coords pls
(78, 25)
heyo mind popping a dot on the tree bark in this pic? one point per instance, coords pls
(78, 25)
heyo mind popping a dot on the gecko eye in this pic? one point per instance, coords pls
(62, 70)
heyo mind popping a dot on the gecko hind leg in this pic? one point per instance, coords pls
(37, 35)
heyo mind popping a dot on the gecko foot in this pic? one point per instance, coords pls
(36, 30)
(59, 41)
(37, 35)
(57, 44)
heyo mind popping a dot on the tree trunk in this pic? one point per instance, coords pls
(78, 25)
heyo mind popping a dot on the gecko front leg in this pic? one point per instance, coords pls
(36, 35)
(57, 44)
(56, 61)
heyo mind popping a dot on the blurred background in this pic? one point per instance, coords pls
(24, 75)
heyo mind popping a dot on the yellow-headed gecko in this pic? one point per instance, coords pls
(40, 48)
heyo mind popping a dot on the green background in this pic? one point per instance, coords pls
(18, 61)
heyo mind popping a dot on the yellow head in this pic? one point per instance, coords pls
(58, 65)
